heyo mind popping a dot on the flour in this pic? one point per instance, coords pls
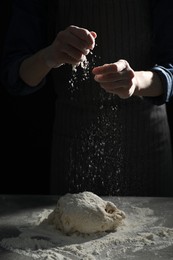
(142, 231)
(96, 153)
(85, 66)
(97, 159)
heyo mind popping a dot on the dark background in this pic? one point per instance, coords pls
(25, 133)
(26, 130)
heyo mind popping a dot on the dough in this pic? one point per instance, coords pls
(86, 213)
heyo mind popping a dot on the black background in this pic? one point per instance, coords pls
(25, 137)
(26, 130)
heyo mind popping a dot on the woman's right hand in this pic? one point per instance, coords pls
(70, 46)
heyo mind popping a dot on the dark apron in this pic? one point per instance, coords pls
(102, 143)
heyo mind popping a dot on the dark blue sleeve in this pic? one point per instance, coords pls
(26, 35)
(163, 47)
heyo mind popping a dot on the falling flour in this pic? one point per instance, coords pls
(85, 66)
(96, 156)
(85, 74)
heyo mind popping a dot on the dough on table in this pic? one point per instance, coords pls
(85, 212)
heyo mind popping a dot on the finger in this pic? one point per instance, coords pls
(105, 69)
(84, 35)
(69, 59)
(112, 86)
(94, 34)
(112, 67)
(122, 65)
(121, 92)
(67, 39)
(113, 77)
(73, 52)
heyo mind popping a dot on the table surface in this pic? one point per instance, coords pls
(149, 227)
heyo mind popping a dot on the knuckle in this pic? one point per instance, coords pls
(60, 35)
(125, 62)
(130, 74)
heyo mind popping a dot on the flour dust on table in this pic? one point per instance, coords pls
(146, 232)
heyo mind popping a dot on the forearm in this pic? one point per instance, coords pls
(34, 69)
(148, 84)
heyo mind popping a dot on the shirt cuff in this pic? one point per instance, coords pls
(15, 85)
(167, 82)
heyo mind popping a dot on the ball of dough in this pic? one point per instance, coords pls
(85, 212)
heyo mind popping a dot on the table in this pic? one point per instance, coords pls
(147, 233)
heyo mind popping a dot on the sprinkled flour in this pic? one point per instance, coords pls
(96, 151)
(85, 67)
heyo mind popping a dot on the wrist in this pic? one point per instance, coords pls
(34, 69)
(49, 62)
(148, 83)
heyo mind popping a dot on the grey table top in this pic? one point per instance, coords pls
(149, 227)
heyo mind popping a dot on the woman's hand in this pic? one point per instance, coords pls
(70, 46)
(117, 78)
(120, 79)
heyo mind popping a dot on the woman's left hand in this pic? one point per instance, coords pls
(117, 78)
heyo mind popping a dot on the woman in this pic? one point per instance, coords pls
(111, 67)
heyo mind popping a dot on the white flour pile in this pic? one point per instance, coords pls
(142, 232)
